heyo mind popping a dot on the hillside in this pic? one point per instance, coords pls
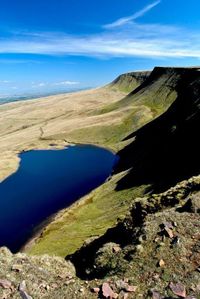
(129, 81)
(136, 236)
(91, 216)
(166, 150)
(60, 120)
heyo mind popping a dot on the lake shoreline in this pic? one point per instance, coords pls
(53, 179)
(40, 228)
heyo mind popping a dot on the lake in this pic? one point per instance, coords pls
(46, 182)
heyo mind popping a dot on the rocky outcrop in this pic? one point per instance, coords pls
(23, 276)
(156, 248)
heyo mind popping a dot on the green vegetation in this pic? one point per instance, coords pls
(111, 136)
(98, 211)
(87, 218)
(129, 81)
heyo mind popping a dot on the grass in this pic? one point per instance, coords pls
(95, 213)
(98, 211)
(85, 219)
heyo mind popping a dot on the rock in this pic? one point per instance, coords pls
(17, 268)
(108, 292)
(169, 232)
(175, 241)
(178, 289)
(95, 290)
(82, 290)
(24, 295)
(156, 295)
(126, 280)
(161, 263)
(5, 284)
(131, 289)
(122, 285)
(193, 203)
(22, 286)
(5, 251)
(23, 292)
(168, 225)
(140, 248)
(116, 249)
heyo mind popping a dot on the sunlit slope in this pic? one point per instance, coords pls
(129, 81)
(93, 215)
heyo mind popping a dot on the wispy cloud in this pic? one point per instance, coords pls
(39, 85)
(4, 82)
(53, 84)
(131, 40)
(158, 41)
(136, 15)
(65, 83)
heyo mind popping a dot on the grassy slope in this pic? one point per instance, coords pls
(94, 214)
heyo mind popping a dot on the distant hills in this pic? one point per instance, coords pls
(29, 96)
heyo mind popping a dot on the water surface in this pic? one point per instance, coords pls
(47, 181)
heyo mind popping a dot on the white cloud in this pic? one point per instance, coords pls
(64, 83)
(38, 85)
(140, 43)
(131, 40)
(126, 20)
(4, 82)
(51, 84)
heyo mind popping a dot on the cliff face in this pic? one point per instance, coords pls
(166, 150)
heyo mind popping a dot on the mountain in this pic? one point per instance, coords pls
(137, 235)
(129, 81)
(166, 150)
(134, 175)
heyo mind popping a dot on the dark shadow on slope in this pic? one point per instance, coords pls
(166, 150)
(84, 258)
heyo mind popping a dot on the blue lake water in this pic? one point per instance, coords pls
(47, 181)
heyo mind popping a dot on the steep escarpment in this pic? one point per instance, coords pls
(158, 156)
(129, 81)
(166, 150)
(155, 94)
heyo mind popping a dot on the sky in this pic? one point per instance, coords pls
(51, 45)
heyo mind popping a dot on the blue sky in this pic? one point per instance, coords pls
(58, 45)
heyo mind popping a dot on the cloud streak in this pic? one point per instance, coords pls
(143, 44)
(123, 21)
(65, 83)
(131, 40)
(51, 84)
